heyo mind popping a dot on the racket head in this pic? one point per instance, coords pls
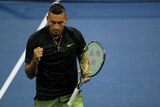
(93, 58)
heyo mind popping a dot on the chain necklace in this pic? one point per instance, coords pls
(58, 43)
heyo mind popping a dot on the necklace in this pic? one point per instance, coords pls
(58, 43)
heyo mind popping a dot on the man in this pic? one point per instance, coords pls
(51, 57)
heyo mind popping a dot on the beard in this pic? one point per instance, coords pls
(55, 33)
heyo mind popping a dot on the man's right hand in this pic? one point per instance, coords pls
(38, 53)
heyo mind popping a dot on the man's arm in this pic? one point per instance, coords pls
(31, 69)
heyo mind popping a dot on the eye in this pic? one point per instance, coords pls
(53, 22)
(61, 22)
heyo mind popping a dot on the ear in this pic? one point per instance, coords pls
(47, 18)
(66, 19)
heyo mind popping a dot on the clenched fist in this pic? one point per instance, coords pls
(38, 53)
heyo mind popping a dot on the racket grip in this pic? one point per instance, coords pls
(71, 100)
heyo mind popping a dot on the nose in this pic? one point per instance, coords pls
(56, 25)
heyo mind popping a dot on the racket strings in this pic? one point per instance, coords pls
(92, 59)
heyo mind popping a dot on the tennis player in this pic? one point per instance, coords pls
(51, 57)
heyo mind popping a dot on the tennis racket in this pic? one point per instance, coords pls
(92, 60)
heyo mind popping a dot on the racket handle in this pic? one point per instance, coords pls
(71, 100)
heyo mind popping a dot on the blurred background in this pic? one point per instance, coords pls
(88, 0)
(128, 30)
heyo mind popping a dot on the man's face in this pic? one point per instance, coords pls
(56, 23)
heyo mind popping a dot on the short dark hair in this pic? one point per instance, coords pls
(57, 8)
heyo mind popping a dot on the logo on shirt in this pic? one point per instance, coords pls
(69, 45)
